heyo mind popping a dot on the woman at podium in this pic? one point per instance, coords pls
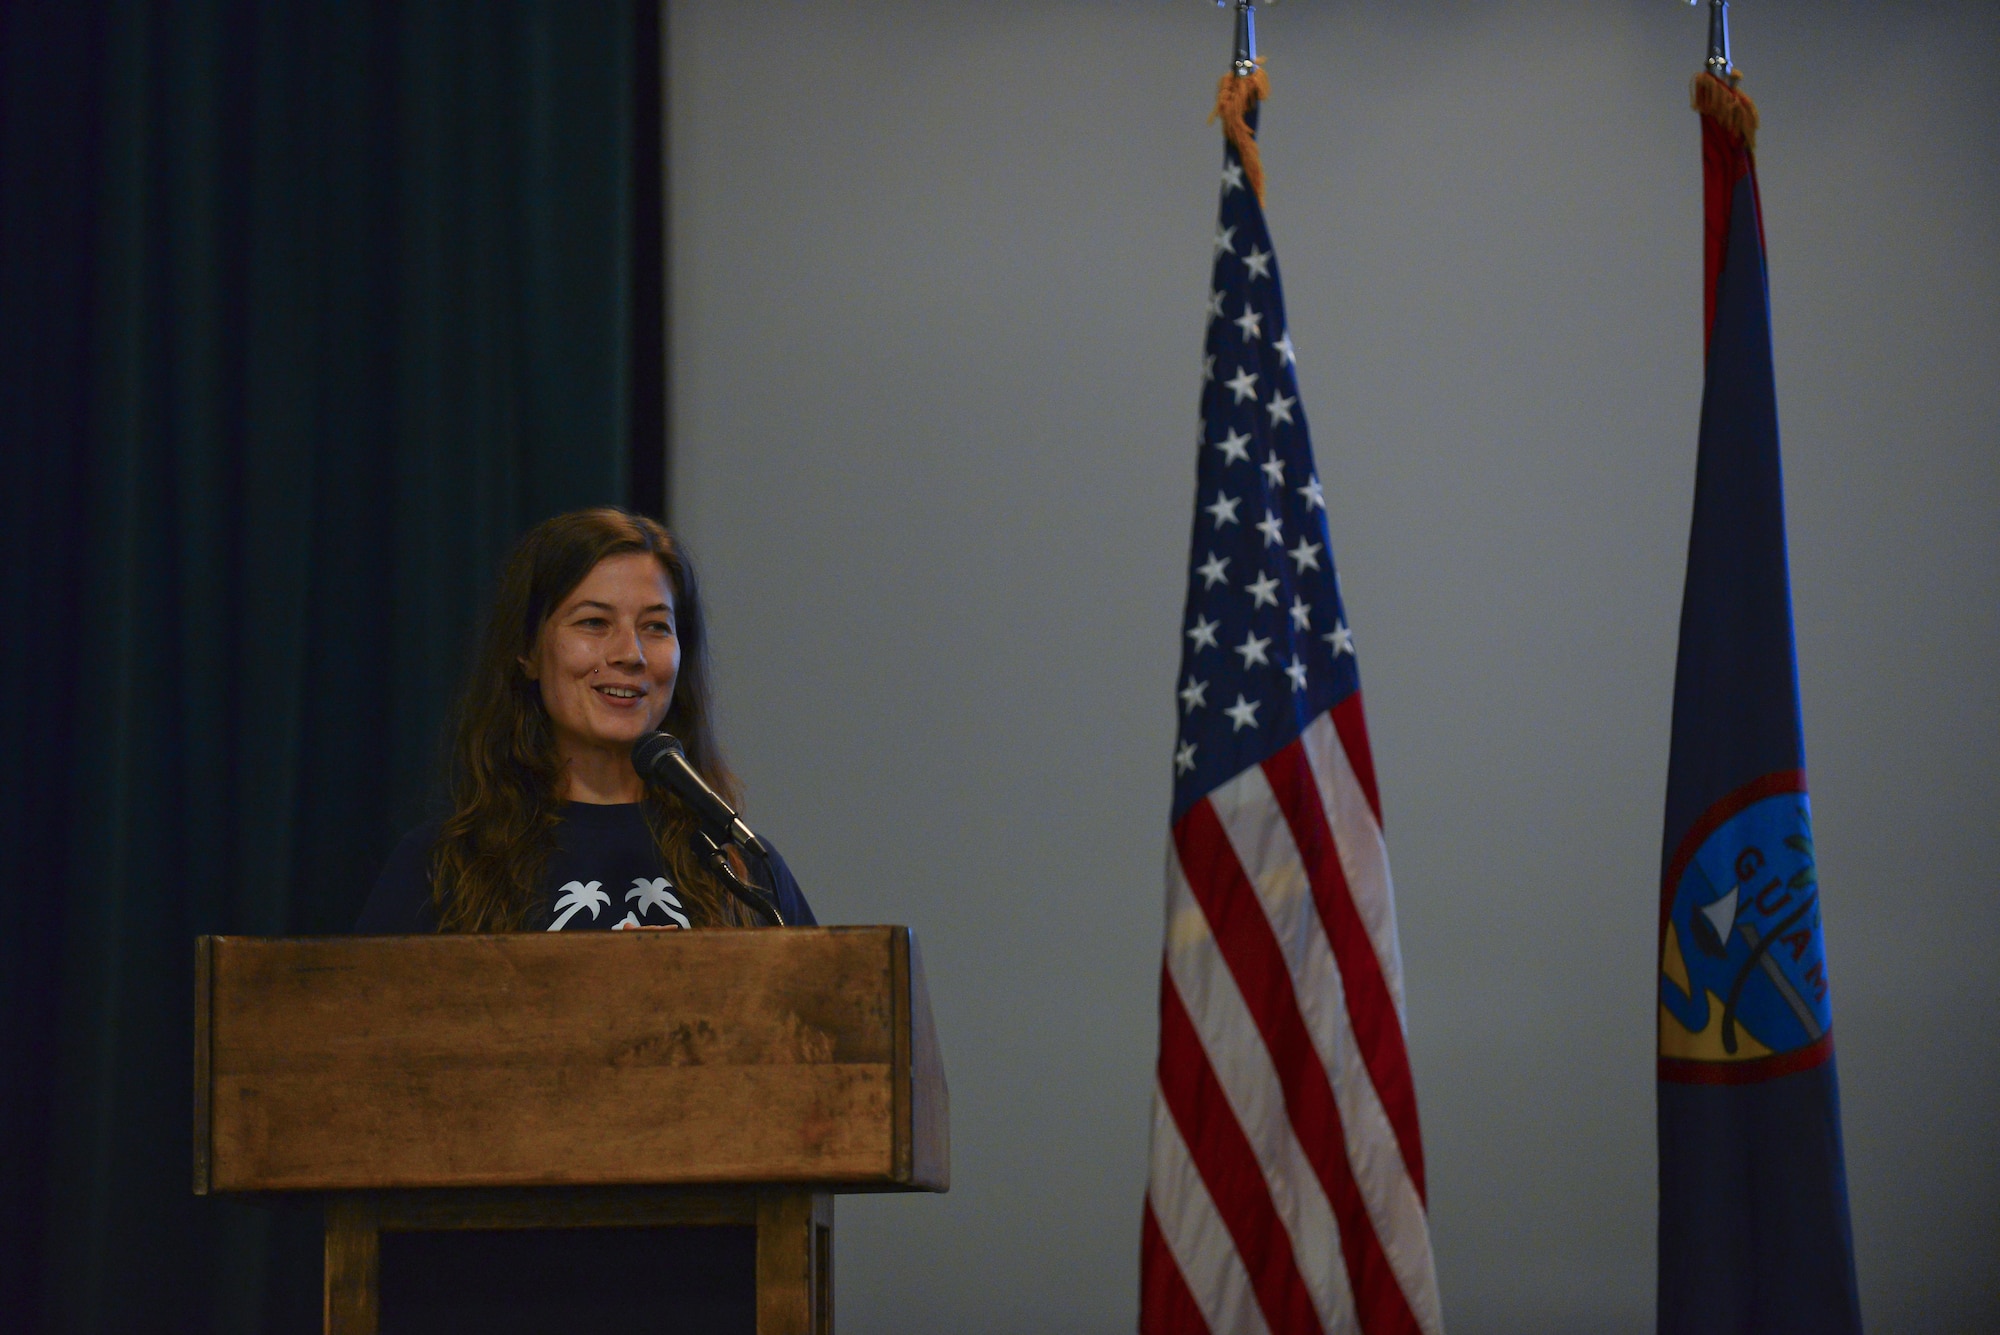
(595, 639)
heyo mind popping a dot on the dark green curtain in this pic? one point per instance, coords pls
(309, 309)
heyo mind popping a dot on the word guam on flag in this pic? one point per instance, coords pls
(1754, 1236)
(1286, 1191)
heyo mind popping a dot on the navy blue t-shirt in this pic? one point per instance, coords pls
(606, 872)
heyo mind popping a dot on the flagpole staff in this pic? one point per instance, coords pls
(1239, 92)
(1244, 65)
(1718, 38)
(1718, 90)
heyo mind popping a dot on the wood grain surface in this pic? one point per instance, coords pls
(794, 1264)
(352, 1278)
(361, 1063)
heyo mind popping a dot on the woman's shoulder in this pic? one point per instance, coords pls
(401, 903)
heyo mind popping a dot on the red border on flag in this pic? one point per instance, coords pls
(1681, 1071)
(1779, 781)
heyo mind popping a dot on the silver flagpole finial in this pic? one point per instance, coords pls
(1245, 63)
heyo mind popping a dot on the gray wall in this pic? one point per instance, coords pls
(938, 279)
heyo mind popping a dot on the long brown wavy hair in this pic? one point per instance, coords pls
(506, 775)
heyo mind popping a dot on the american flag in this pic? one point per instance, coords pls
(1287, 1181)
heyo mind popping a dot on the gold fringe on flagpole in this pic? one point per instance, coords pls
(1235, 98)
(1727, 104)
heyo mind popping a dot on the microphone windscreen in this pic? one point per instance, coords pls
(652, 749)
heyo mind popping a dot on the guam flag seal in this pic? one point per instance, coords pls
(1743, 993)
(1754, 1233)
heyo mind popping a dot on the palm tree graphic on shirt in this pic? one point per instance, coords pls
(655, 894)
(576, 895)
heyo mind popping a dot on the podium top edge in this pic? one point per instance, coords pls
(824, 929)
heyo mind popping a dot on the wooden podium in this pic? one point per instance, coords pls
(598, 1079)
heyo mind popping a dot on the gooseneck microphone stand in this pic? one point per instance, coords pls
(753, 896)
(660, 759)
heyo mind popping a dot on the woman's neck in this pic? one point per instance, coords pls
(599, 777)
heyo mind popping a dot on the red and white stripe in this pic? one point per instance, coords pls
(1287, 1186)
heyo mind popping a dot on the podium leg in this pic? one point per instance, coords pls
(794, 1263)
(353, 1266)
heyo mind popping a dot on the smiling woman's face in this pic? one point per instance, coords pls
(607, 658)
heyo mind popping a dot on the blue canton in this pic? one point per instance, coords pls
(1265, 646)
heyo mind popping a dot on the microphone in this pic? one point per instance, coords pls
(659, 759)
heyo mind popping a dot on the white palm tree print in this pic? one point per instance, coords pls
(656, 894)
(577, 895)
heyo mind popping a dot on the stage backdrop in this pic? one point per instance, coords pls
(939, 277)
(309, 310)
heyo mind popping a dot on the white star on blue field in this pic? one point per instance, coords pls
(1266, 647)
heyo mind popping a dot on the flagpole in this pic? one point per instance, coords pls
(1717, 91)
(1239, 93)
(1245, 63)
(1718, 38)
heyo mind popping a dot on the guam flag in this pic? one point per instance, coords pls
(1754, 1230)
